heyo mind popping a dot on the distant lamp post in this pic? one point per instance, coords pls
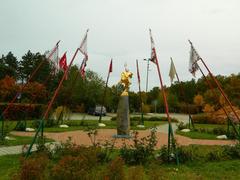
(147, 72)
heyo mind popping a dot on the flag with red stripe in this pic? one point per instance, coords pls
(153, 50)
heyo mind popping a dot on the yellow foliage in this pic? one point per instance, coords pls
(222, 100)
(62, 111)
(198, 100)
(208, 108)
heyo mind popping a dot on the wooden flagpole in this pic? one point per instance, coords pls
(45, 116)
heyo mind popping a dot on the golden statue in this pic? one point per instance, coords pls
(125, 80)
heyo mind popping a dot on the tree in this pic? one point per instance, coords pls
(8, 88)
(8, 66)
(198, 100)
(30, 62)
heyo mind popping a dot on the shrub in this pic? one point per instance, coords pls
(187, 108)
(115, 170)
(21, 126)
(33, 168)
(163, 154)
(219, 131)
(22, 111)
(135, 173)
(181, 126)
(141, 151)
(232, 151)
(216, 155)
(201, 119)
(74, 167)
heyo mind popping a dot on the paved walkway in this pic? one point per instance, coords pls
(8, 150)
(181, 118)
(81, 137)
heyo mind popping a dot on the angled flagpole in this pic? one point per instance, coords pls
(198, 58)
(171, 140)
(46, 114)
(83, 49)
(104, 95)
(24, 86)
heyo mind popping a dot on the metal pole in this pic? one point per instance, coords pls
(147, 73)
(140, 94)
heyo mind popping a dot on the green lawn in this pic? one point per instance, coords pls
(202, 135)
(212, 170)
(86, 124)
(210, 126)
(9, 164)
(197, 135)
(20, 140)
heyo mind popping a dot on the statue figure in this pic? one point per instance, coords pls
(123, 118)
(125, 80)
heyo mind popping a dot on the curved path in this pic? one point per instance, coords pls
(81, 138)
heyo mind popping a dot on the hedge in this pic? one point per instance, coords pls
(22, 111)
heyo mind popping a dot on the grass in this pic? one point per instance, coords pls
(202, 135)
(209, 126)
(86, 124)
(197, 135)
(9, 165)
(19, 140)
(211, 170)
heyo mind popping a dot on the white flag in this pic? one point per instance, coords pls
(194, 57)
(53, 56)
(83, 46)
(172, 71)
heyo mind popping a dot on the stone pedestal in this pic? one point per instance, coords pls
(123, 119)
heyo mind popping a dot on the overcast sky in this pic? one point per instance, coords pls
(119, 30)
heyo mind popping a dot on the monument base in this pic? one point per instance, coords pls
(122, 136)
(123, 120)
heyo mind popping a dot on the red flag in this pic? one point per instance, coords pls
(110, 67)
(153, 50)
(63, 62)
